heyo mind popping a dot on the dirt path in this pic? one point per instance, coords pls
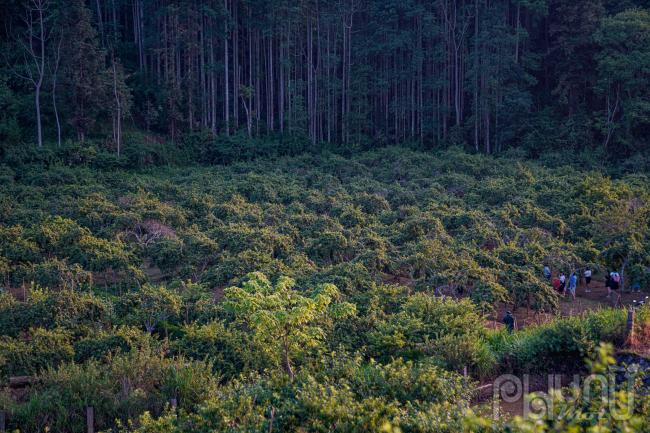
(585, 301)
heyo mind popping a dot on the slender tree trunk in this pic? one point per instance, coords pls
(118, 112)
(226, 69)
(236, 72)
(37, 102)
(612, 110)
(517, 26)
(213, 90)
(40, 5)
(57, 61)
(286, 361)
(271, 87)
(476, 66)
(249, 118)
(100, 21)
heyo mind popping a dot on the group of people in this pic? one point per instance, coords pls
(564, 285)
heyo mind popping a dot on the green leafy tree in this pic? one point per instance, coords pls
(283, 320)
(85, 72)
(572, 49)
(151, 305)
(619, 222)
(36, 351)
(10, 131)
(448, 330)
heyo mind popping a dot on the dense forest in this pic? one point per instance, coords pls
(324, 216)
(485, 74)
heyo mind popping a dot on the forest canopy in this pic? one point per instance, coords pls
(539, 75)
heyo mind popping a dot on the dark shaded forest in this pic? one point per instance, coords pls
(484, 74)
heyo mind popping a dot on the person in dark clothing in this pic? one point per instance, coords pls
(510, 321)
(608, 284)
(615, 285)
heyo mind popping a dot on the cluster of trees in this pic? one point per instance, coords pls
(485, 74)
(271, 356)
(461, 225)
(52, 51)
(298, 293)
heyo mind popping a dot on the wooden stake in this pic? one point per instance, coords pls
(90, 419)
(630, 323)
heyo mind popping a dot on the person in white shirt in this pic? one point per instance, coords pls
(615, 285)
(587, 279)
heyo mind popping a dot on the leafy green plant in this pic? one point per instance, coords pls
(285, 322)
(36, 351)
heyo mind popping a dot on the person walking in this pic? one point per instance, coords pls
(587, 275)
(547, 272)
(615, 285)
(510, 321)
(562, 288)
(573, 284)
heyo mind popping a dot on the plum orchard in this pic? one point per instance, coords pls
(473, 226)
(299, 293)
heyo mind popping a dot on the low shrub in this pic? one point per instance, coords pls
(33, 352)
(558, 346)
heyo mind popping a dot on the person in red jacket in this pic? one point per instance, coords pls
(557, 284)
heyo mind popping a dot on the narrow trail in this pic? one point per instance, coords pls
(584, 302)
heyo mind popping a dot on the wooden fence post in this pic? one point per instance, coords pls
(90, 419)
(630, 323)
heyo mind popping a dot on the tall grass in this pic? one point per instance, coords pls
(558, 346)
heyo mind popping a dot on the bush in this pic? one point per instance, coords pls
(560, 345)
(104, 344)
(34, 352)
(446, 330)
(74, 311)
(219, 344)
